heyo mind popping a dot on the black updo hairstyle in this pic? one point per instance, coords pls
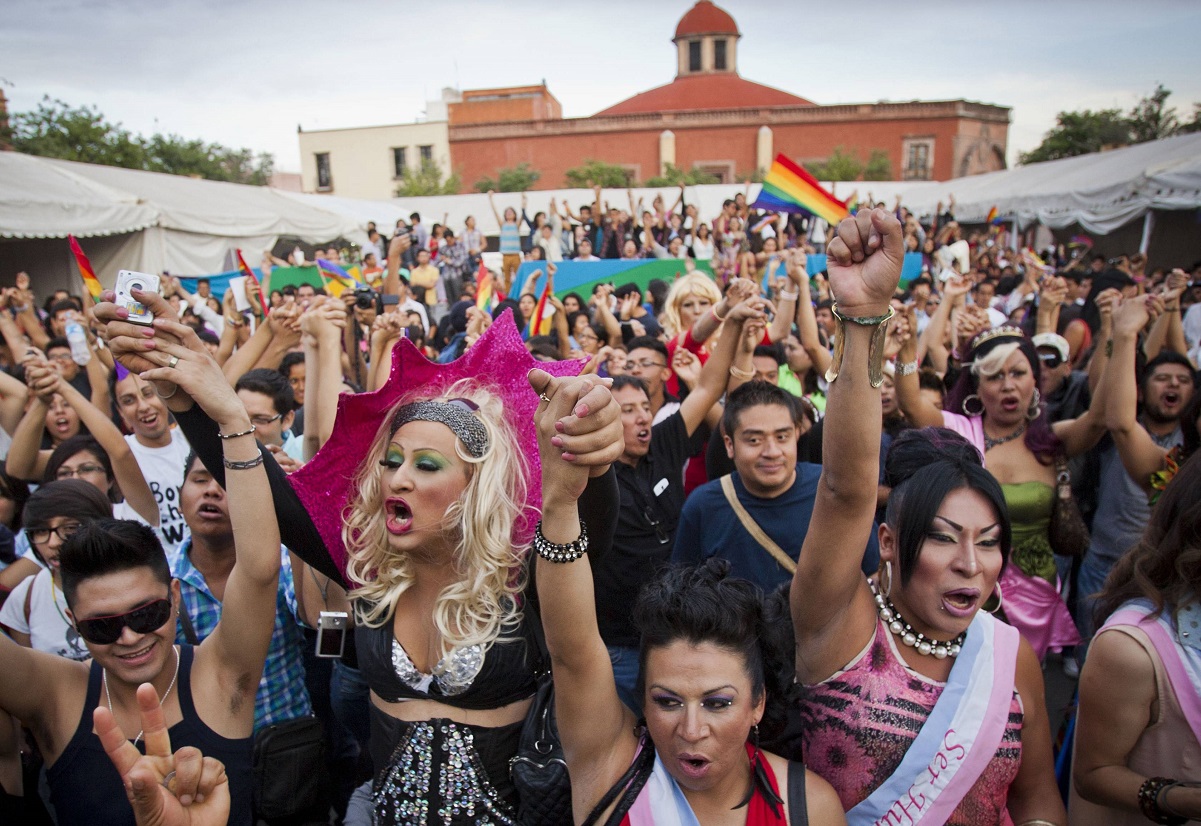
(704, 604)
(922, 468)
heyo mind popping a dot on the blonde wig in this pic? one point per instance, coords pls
(993, 361)
(694, 283)
(482, 604)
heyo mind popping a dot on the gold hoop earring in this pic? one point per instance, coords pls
(1035, 402)
(888, 570)
(1000, 598)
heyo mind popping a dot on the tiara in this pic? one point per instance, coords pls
(1004, 331)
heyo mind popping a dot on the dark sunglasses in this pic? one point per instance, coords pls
(1051, 360)
(141, 620)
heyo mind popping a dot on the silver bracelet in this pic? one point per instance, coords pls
(790, 295)
(907, 368)
(560, 553)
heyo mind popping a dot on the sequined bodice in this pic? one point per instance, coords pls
(453, 674)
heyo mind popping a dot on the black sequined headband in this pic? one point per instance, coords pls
(457, 414)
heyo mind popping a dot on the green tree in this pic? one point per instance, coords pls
(597, 173)
(1151, 119)
(510, 179)
(879, 167)
(674, 176)
(753, 177)
(1194, 123)
(427, 180)
(840, 166)
(56, 130)
(1078, 133)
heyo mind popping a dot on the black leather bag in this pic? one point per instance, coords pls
(1068, 533)
(290, 768)
(539, 770)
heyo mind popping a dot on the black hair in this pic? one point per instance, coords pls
(72, 446)
(66, 497)
(416, 216)
(703, 604)
(107, 546)
(289, 361)
(63, 304)
(188, 462)
(207, 336)
(57, 343)
(771, 351)
(544, 346)
(270, 383)
(923, 467)
(16, 490)
(579, 300)
(507, 304)
(928, 379)
(753, 394)
(827, 304)
(289, 290)
(629, 381)
(1164, 357)
(727, 202)
(629, 288)
(648, 343)
(200, 281)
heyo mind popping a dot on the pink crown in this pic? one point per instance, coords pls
(498, 361)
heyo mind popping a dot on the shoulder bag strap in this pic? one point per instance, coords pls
(189, 633)
(752, 527)
(798, 808)
(29, 603)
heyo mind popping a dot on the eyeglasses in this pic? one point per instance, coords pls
(141, 620)
(645, 364)
(1050, 360)
(64, 357)
(64, 532)
(263, 421)
(68, 473)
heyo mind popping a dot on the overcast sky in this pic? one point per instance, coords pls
(247, 73)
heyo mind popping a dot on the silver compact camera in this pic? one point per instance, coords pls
(127, 281)
(332, 627)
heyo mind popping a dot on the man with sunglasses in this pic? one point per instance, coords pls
(1064, 391)
(650, 478)
(124, 604)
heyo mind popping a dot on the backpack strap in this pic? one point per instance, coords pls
(798, 809)
(752, 527)
(189, 633)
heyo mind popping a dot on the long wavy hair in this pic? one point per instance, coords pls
(988, 359)
(684, 286)
(1165, 566)
(482, 604)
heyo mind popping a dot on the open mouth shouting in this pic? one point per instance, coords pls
(399, 517)
(961, 602)
(694, 766)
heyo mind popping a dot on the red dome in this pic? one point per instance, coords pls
(703, 93)
(706, 18)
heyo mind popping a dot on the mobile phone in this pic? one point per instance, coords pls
(238, 286)
(127, 281)
(331, 633)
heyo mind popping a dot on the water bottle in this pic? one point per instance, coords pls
(80, 352)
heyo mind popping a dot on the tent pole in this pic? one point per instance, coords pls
(1148, 227)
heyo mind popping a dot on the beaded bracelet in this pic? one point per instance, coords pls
(907, 368)
(221, 435)
(559, 553)
(1148, 801)
(740, 374)
(233, 464)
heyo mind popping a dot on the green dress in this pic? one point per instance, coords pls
(1030, 506)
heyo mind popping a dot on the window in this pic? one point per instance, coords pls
(719, 55)
(324, 179)
(399, 166)
(427, 154)
(919, 160)
(694, 55)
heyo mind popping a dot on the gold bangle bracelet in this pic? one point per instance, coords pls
(744, 375)
(875, 356)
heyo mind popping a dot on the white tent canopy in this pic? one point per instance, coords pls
(164, 222)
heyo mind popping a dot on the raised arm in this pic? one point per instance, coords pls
(125, 465)
(13, 394)
(600, 300)
(806, 323)
(1139, 454)
(594, 725)
(322, 324)
(396, 248)
(787, 300)
(919, 411)
(832, 608)
(933, 339)
(26, 460)
(492, 204)
(716, 371)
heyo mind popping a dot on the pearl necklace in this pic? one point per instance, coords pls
(166, 694)
(914, 639)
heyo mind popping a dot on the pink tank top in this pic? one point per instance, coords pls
(859, 723)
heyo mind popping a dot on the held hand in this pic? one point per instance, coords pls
(971, 320)
(1107, 302)
(908, 346)
(740, 290)
(1135, 313)
(181, 789)
(957, 288)
(865, 262)
(42, 379)
(579, 432)
(188, 365)
(686, 366)
(125, 338)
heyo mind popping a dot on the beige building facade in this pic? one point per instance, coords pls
(370, 161)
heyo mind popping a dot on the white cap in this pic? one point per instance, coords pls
(1055, 342)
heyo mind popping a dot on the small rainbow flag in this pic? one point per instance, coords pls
(85, 269)
(994, 217)
(766, 220)
(328, 269)
(789, 188)
(487, 296)
(1081, 241)
(853, 203)
(244, 268)
(540, 326)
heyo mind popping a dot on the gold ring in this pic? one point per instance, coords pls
(174, 360)
(544, 397)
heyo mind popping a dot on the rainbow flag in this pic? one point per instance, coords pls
(1081, 241)
(853, 203)
(540, 325)
(330, 270)
(789, 188)
(994, 217)
(766, 220)
(90, 280)
(245, 270)
(487, 295)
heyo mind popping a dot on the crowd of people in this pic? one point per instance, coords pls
(783, 547)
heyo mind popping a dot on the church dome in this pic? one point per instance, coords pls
(706, 18)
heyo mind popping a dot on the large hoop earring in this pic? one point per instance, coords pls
(1035, 402)
(968, 412)
(1000, 599)
(888, 571)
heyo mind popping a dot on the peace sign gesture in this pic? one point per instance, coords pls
(181, 789)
